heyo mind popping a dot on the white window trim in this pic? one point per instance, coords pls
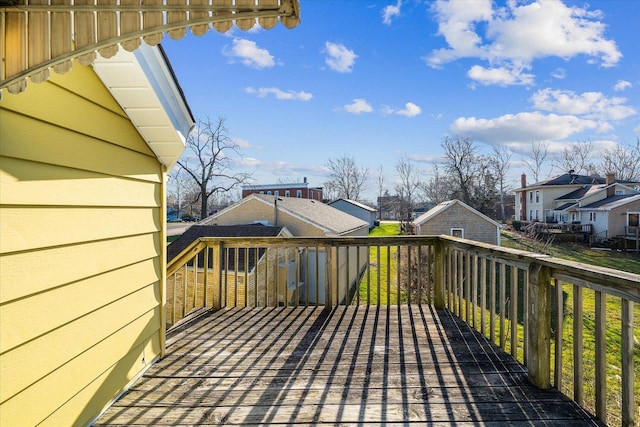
(456, 229)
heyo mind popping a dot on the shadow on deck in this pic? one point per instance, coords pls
(355, 365)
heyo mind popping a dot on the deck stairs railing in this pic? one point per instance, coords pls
(574, 326)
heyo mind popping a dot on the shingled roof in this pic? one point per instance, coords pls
(250, 230)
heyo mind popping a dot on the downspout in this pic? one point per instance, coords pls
(163, 260)
(275, 212)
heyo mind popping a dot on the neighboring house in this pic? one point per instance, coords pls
(578, 199)
(303, 218)
(300, 190)
(455, 218)
(556, 199)
(241, 267)
(83, 165)
(611, 216)
(359, 210)
(389, 207)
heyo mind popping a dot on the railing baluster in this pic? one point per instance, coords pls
(483, 295)
(467, 286)
(492, 301)
(388, 280)
(185, 273)
(409, 274)
(600, 355)
(514, 311)
(628, 396)
(525, 314)
(318, 274)
(195, 282)
(399, 261)
(419, 256)
(559, 340)
(205, 278)
(474, 290)
(503, 282)
(578, 368)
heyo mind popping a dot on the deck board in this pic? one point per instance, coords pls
(350, 366)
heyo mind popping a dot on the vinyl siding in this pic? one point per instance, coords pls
(475, 227)
(81, 262)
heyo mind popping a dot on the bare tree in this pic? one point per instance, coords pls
(578, 158)
(438, 188)
(178, 188)
(461, 165)
(623, 160)
(500, 163)
(208, 160)
(380, 181)
(347, 179)
(408, 185)
(534, 160)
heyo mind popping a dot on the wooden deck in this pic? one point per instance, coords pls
(350, 366)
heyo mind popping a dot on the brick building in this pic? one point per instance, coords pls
(300, 190)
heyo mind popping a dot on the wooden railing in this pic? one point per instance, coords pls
(572, 325)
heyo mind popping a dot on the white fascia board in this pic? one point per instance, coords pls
(144, 85)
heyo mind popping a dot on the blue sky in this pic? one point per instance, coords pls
(382, 80)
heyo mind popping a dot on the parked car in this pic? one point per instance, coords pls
(173, 218)
(189, 218)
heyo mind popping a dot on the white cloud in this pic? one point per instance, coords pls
(521, 127)
(358, 106)
(339, 58)
(622, 85)
(248, 52)
(410, 110)
(559, 73)
(512, 37)
(499, 76)
(244, 144)
(288, 95)
(390, 12)
(636, 130)
(590, 104)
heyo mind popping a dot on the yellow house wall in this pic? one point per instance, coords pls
(81, 254)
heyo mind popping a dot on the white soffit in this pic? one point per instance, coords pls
(145, 87)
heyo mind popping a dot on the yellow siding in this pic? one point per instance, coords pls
(81, 220)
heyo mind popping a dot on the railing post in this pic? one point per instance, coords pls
(539, 327)
(438, 274)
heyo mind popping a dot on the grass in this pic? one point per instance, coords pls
(625, 261)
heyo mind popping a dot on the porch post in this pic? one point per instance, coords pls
(538, 340)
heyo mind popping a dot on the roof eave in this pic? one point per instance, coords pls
(146, 88)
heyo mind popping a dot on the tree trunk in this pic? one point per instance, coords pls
(204, 198)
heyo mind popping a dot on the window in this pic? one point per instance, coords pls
(269, 192)
(619, 192)
(537, 196)
(530, 215)
(537, 214)
(531, 196)
(276, 193)
(299, 194)
(633, 219)
(592, 216)
(287, 193)
(457, 232)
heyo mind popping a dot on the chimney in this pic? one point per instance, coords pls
(523, 197)
(304, 180)
(610, 179)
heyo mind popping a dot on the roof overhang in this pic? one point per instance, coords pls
(36, 35)
(144, 85)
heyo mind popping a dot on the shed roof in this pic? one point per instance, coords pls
(250, 230)
(354, 203)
